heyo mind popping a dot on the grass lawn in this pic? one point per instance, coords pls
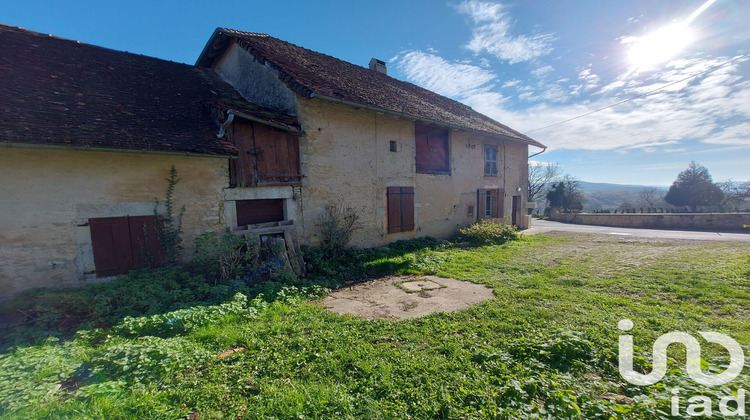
(545, 347)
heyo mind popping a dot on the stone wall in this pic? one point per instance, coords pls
(686, 221)
(346, 158)
(47, 197)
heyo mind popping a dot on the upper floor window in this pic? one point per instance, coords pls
(432, 149)
(490, 160)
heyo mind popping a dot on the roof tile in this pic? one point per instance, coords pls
(311, 73)
(59, 92)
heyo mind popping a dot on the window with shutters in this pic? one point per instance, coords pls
(432, 154)
(400, 209)
(121, 244)
(267, 156)
(489, 204)
(490, 160)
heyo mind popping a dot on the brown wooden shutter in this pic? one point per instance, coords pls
(422, 151)
(431, 144)
(121, 244)
(110, 240)
(144, 242)
(242, 170)
(400, 209)
(407, 209)
(481, 203)
(277, 155)
(500, 200)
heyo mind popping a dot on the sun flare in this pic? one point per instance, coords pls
(659, 46)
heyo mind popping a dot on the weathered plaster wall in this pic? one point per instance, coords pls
(689, 221)
(346, 158)
(47, 195)
(254, 81)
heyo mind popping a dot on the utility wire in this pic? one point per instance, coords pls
(641, 95)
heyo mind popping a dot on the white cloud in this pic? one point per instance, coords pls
(450, 79)
(711, 104)
(588, 79)
(492, 34)
(511, 83)
(738, 135)
(542, 71)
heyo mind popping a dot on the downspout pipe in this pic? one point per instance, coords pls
(223, 128)
(538, 153)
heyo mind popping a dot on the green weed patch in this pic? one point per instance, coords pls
(544, 347)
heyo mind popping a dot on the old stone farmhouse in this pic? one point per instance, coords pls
(259, 131)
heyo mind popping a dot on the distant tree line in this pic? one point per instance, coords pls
(693, 190)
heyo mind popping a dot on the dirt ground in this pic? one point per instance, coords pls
(399, 297)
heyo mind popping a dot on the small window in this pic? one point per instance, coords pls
(432, 154)
(251, 212)
(400, 209)
(490, 160)
(489, 204)
(470, 211)
(393, 145)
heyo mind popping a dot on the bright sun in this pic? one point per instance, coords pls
(658, 47)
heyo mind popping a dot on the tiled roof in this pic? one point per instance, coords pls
(57, 92)
(309, 74)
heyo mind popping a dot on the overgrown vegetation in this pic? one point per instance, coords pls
(170, 224)
(488, 233)
(337, 224)
(229, 255)
(545, 347)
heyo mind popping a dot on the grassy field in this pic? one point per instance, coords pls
(544, 347)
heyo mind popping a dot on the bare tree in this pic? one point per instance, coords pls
(650, 197)
(626, 206)
(735, 194)
(541, 175)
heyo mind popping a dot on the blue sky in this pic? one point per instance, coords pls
(527, 64)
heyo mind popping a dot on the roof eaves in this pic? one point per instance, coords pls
(51, 146)
(530, 142)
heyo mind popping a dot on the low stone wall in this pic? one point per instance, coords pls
(687, 221)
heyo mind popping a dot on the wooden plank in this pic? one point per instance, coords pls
(407, 209)
(500, 201)
(144, 242)
(243, 169)
(432, 149)
(110, 241)
(394, 209)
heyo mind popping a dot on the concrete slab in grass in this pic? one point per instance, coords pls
(400, 297)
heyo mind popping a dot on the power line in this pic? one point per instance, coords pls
(641, 95)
